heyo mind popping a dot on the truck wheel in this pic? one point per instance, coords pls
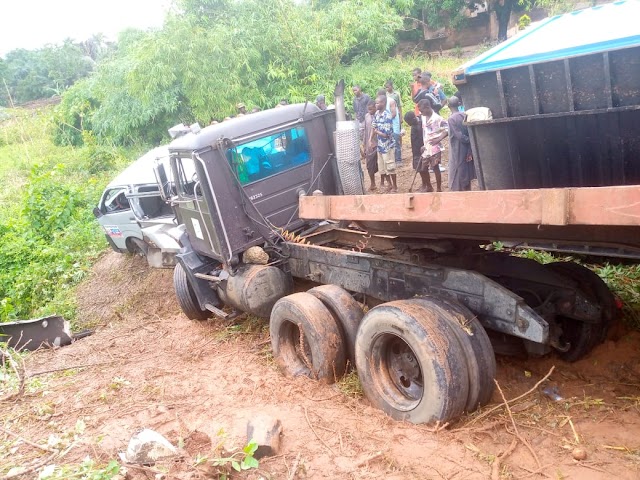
(186, 296)
(583, 336)
(345, 309)
(481, 361)
(306, 339)
(411, 364)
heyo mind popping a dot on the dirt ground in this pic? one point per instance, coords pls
(198, 383)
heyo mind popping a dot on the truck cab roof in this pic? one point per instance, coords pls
(246, 125)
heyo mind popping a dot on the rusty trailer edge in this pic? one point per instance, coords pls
(597, 206)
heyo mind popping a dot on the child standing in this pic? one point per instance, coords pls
(434, 130)
(417, 142)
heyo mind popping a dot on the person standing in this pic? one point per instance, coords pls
(434, 130)
(461, 167)
(397, 120)
(383, 127)
(415, 87)
(417, 143)
(321, 103)
(426, 93)
(427, 85)
(360, 102)
(370, 146)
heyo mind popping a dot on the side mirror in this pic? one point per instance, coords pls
(96, 212)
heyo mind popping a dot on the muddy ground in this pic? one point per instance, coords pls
(198, 383)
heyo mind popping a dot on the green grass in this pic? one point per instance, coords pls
(48, 236)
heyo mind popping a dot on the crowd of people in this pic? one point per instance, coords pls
(382, 135)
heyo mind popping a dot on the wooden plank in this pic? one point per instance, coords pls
(571, 206)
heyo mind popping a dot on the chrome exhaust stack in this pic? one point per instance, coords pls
(347, 146)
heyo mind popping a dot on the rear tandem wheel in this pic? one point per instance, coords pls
(411, 364)
(306, 339)
(345, 310)
(583, 336)
(481, 361)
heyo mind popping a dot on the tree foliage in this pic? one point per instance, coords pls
(35, 74)
(215, 53)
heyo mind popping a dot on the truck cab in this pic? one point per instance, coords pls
(238, 182)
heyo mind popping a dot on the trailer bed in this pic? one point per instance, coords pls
(602, 217)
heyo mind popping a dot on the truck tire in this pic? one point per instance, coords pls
(481, 361)
(306, 339)
(345, 310)
(411, 364)
(186, 296)
(585, 336)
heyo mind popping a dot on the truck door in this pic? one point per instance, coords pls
(193, 210)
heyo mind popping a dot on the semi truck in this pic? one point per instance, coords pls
(273, 222)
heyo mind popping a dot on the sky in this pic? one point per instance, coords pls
(31, 24)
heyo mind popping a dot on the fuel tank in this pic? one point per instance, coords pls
(255, 289)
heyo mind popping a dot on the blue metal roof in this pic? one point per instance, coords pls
(598, 29)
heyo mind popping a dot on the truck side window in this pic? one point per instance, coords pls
(269, 155)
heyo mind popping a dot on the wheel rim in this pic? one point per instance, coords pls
(397, 371)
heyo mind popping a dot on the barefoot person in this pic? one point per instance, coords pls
(461, 168)
(434, 130)
(383, 127)
(417, 144)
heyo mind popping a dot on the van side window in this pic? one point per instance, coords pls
(187, 177)
(269, 155)
(115, 200)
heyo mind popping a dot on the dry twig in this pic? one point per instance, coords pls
(24, 440)
(515, 427)
(18, 369)
(294, 467)
(38, 465)
(520, 397)
(306, 414)
(497, 463)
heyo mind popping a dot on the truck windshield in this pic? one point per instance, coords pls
(269, 155)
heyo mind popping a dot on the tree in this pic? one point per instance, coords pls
(207, 58)
(41, 73)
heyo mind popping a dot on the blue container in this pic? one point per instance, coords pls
(565, 99)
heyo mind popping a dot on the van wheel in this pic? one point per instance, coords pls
(186, 296)
(345, 309)
(411, 364)
(481, 361)
(134, 248)
(306, 339)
